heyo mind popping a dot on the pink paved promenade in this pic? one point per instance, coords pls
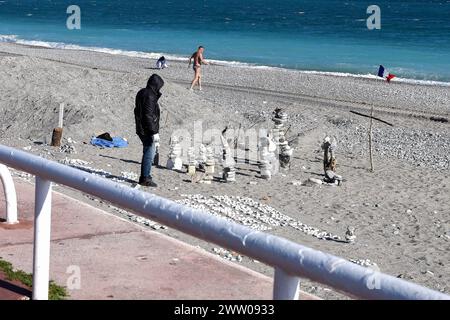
(120, 260)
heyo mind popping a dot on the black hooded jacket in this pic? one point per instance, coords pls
(146, 112)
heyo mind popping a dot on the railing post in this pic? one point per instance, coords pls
(10, 195)
(42, 227)
(285, 286)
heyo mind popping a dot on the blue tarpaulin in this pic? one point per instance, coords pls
(117, 142)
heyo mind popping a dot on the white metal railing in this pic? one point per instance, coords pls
(291, 261)
(10, 194)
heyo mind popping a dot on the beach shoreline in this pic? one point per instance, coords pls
(12, 39)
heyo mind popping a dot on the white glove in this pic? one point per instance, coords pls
(156, 138)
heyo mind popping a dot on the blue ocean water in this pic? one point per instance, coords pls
(319, 35)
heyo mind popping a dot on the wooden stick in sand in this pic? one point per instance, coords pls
(370, 140)
(237, 138)
(370, 132)
(58, 131)
(61, 115)
(375, 118)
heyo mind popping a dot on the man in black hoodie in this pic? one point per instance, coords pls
(147, 114)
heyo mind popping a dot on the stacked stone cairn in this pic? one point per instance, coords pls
(285, 152)
(268, 164)
(201, 160)
(209, 166)
(350, 234)
(329, 162)
(229, 170)
(192, 163)
(174, 162)
(279, 130)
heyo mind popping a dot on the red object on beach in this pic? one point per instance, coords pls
(389, 77)
(382, 71)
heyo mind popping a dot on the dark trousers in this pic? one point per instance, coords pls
(148, 155)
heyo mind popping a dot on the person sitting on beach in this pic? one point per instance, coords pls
(198, 61)
(161, 63)
(147, 115)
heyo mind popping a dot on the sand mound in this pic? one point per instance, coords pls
(95, 101)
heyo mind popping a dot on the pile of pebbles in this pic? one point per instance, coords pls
(83, 165)
(128, 177)
(74, 162)
(67, 148)
(253, 214)
(231, 209)
(366, 263)
(421, 148)
(138, 219)
(227, 255)
(21, 174)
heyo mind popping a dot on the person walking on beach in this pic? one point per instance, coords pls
(197, 58)
(147, 114)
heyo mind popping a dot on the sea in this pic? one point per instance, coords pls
(411, 38)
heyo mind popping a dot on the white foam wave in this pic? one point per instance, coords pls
(374, 77)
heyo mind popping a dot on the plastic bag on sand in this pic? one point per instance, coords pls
(117, 142)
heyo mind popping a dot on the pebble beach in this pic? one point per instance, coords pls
(399, 212)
